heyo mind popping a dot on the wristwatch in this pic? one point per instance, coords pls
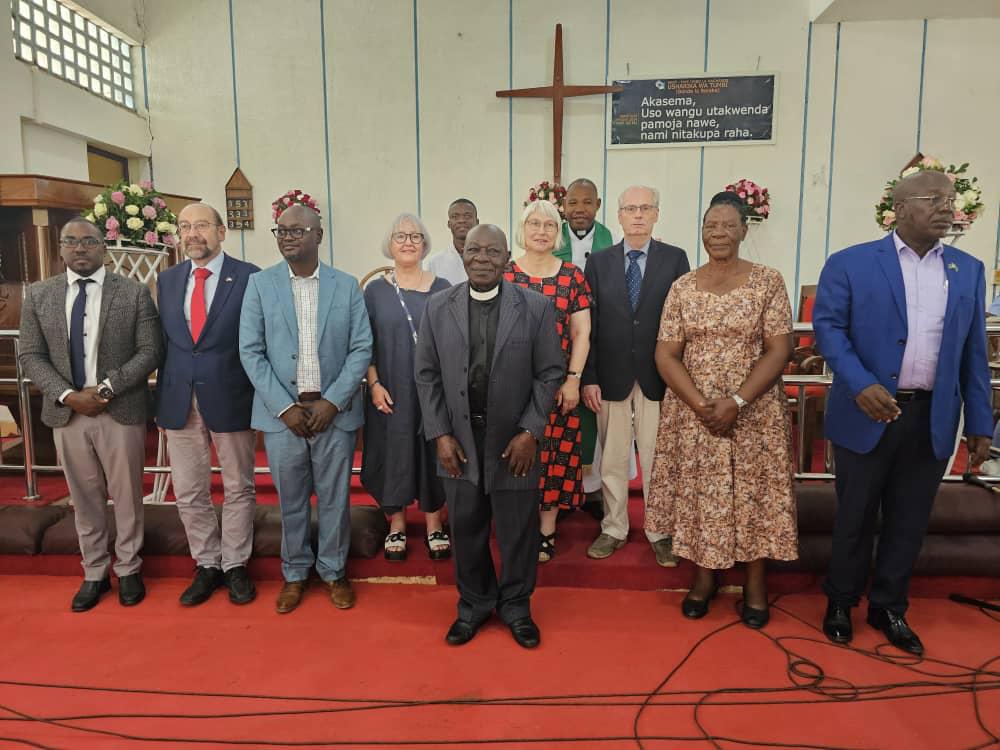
(105, 392)
(740, 401)
(571, 374)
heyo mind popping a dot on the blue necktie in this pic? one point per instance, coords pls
(77, 346)
(633, 278)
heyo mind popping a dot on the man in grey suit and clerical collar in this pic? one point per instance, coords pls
(89, 340)
(488, 364)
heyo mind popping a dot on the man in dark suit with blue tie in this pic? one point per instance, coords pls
(204, 397)
(901, 323)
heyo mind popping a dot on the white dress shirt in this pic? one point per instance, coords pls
(582, 247)
(211, 284)
(91, 322)
(447, 264)
(305, 292)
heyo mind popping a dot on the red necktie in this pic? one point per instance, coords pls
(198, 312)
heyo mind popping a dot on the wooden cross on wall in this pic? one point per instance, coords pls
(557, 92)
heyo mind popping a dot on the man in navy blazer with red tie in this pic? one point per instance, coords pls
(901, 322)
(204, 397)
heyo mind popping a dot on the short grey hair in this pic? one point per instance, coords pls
(546, 209)
(394, 227)
(653, 190)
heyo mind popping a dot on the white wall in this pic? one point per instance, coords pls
(364, 142)
(46, 122)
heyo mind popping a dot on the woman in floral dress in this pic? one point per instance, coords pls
(722, 478)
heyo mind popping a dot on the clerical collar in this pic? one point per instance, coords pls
(582, 233)
(484, 296)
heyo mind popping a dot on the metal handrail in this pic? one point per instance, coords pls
(162, 471)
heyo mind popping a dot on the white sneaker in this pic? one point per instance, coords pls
(991, 468)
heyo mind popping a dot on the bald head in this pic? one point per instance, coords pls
(488, 233)
(921, 183)
(301, 215)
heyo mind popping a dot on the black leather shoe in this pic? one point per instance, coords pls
(131, 590)
(525, 632)
(837, 623)
(894, 627)
(241, 588)
(461, 632)
(695, 609)
(594, 505)
(755, 618)
(90, 593)
(206, 580)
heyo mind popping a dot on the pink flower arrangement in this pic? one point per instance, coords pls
(292, 198)
(146, 184)
(968, 195)
(756, 199)
(133, 213)
(552, 192)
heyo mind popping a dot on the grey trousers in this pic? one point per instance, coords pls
(104, 459)
(189, 450)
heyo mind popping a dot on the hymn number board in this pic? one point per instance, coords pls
(239, 201)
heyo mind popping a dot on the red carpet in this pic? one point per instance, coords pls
(380, 674)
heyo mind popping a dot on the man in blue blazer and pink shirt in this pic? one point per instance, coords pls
(901, 322)
(204, 398)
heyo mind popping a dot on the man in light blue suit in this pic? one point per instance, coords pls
(901, 322)
(305, 344)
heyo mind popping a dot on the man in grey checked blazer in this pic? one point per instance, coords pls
(97, 406)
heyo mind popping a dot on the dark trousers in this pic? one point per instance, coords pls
(470, 511)
(901, 476)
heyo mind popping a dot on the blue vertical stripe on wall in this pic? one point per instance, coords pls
(145, 102)
(607, 69)
(833, 142)
(802, 173)
(326, 127)
(510, 119)
(996, 256)
(920, 96)
(701, 161)
(236, 112)
(416, 97)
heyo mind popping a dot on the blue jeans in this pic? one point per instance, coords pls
(299, 467)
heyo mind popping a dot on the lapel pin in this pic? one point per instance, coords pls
(228, 279)
(953, 267)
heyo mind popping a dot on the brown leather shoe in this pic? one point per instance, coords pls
(341, 593)
(290, 596)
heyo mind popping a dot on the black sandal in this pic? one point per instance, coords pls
(438, 545)
(395, 546)
(547, 548)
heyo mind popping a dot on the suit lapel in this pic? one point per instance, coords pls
(327, 288)
(617, 291)
(459, 306)
(112, 283)
(654, 261)
(510, 311)
(223, 287)
(174, 295)
(950, 258)
(888, 259)
(283, 288)
(56, 299)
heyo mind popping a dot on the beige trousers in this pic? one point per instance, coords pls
(618, 423)
(190, 453)
(104, 459)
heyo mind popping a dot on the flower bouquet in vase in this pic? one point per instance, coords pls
(139, 230)
(552, 192)
(756, 200)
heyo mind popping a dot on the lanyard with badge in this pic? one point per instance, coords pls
(402, 303)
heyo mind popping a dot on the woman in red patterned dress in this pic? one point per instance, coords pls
(561, 485)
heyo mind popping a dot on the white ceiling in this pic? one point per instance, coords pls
(832, 11)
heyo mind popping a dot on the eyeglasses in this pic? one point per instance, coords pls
(936, 201)
(645, 208)
(296, 233)
(493, 253)
(535, 225)
(415, 237)
(88, 243)
(199, 226)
